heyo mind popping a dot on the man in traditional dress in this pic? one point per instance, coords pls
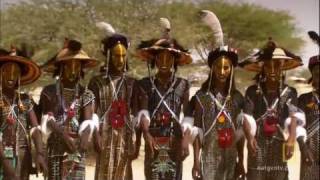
(212, 116)
(113, 90)
(67, 113)
(18, 121)
(161, 98)
(309, 103)
(272, 104)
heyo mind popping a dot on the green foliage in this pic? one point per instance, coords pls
(44, 24)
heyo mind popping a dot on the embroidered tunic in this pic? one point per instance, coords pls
(15, 137)
(117, 139)
(268, 162)
(218, 160)
(63, 165)
(309, 103)
(164, 106)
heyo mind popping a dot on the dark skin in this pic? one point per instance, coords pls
(10, 73)
(315, 78)
(9, 172)
(164, 64)
(116, 69)
(70, 75)
(272, 71)
(305, 150)
(221, 72)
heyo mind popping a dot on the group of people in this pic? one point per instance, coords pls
(114, 111)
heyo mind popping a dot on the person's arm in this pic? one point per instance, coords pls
(306, 154)
(198, 133)
(289, 146)
(249, 123)
(196, 170)
(187, 111)
(143, 116)
(8, 170)
(93, 86)
(36, 135)
(91, 120)
(48, 121)
(135, 106)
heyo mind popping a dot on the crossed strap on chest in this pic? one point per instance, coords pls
(115, 97)
(163, 99)
(14, 115)
(222, 109)
(275, 103)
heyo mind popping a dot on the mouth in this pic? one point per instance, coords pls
(11, 82)
(164, 68)
(222, 77)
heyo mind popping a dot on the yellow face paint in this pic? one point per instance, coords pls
(222, 68)
(118, 56)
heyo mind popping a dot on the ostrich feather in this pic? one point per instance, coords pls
(314, 36)
(166, 27)
(106, 27)
(211, 20)
(165, 24)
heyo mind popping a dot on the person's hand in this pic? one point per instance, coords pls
(196, 171)
(97, 141)
(185, 148)
(240, 172)
(307, 156)
(151, 142)
(252, 146)
(41, 164)
(289, 150)
(84, 139)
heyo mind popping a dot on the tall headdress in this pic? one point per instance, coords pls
(220, 49)
(111, 40)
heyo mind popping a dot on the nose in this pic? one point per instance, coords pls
(222, 71)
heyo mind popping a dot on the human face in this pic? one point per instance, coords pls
(71, 70)
(315, 77)
(272, 70)
(10, 74)
(164, 61)
(222, 68)
(118, 57)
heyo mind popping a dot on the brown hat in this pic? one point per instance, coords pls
(271, 52)
(71, 51)
(30, 71)
(147, 50)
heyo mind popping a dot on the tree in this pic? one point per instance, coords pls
(43, 24)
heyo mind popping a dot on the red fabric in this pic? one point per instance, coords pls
(270, 125)
(11, 120)
(118, 113)
(225, 137)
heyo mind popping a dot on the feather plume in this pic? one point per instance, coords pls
(166, 27)
(106, 27)
(211, 20)
(315, 37)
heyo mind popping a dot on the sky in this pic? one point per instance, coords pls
(305, 12)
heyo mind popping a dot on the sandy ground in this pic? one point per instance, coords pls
(138, 168)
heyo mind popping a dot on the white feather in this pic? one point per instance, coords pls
(166, 27)
(165, 24)
(211, 20)
(106, 27)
